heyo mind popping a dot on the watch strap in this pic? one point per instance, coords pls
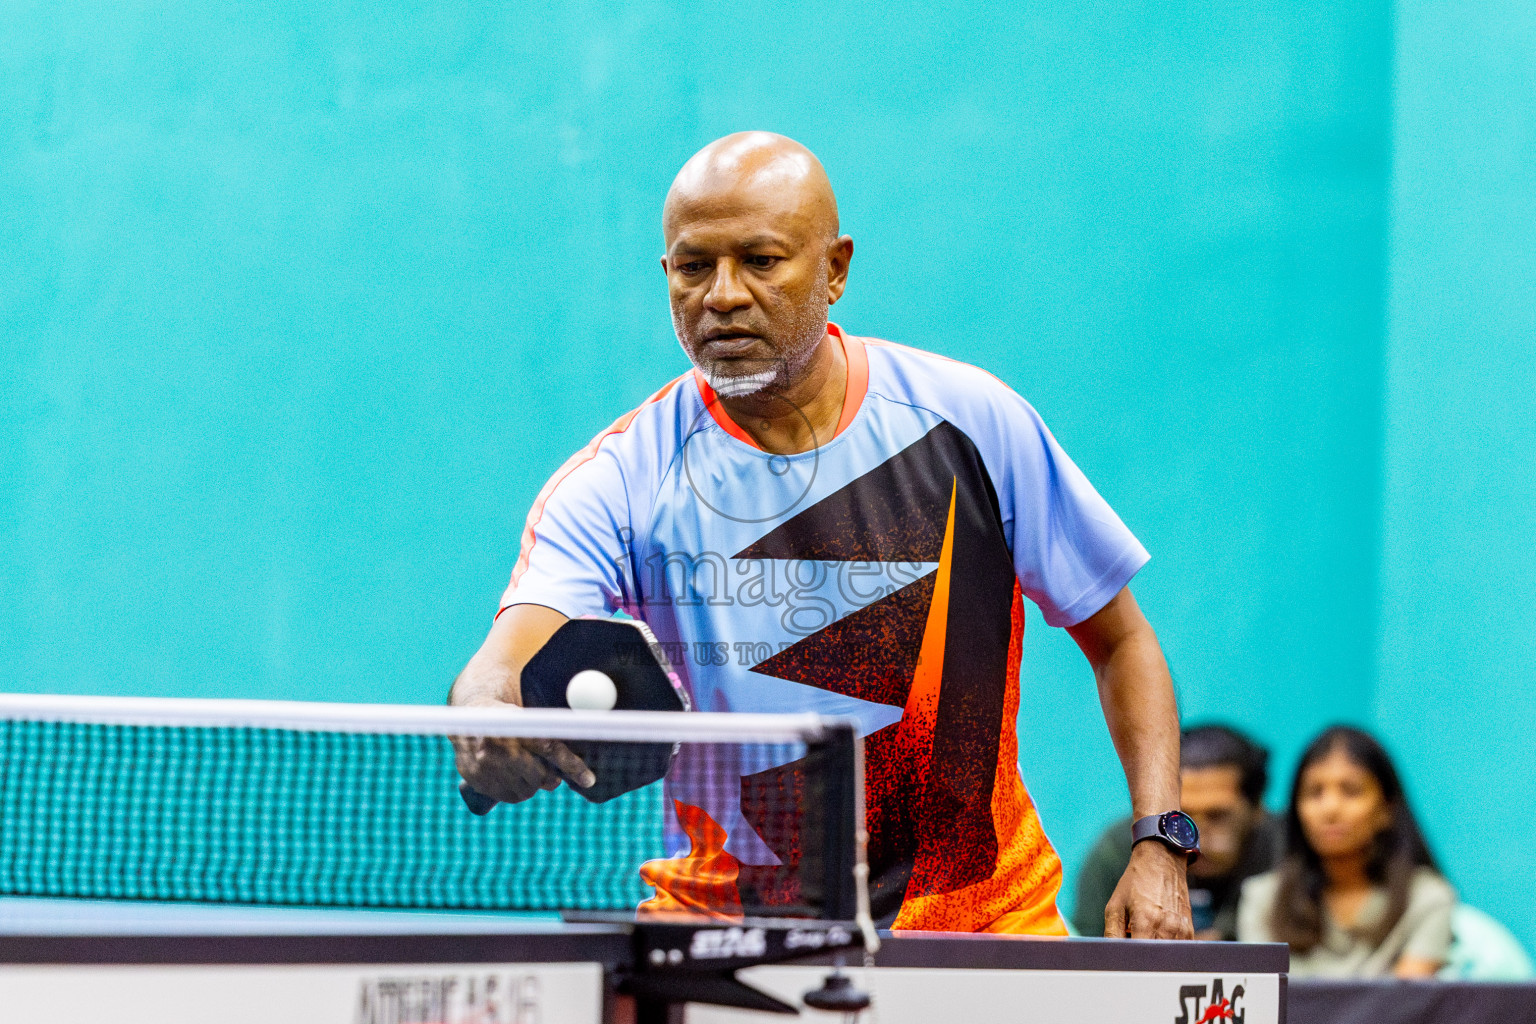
(1147, 828)
(1151, 827)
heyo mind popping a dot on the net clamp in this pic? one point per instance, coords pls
(679, 962)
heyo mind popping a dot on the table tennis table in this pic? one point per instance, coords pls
(87, 962)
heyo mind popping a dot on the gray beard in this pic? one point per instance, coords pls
(738, 385)
(808, 331)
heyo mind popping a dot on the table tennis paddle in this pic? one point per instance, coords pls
(627, 652)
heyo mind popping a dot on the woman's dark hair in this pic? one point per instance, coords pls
(1397, 851)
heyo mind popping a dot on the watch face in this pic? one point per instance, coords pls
(1178, 827)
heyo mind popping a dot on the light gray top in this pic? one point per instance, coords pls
(1424, 931)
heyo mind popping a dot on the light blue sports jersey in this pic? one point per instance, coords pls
(877, 576)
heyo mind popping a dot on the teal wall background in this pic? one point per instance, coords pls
(301, 305)
(1455, 691)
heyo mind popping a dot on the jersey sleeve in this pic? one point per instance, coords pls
(1070, 551)
(575, 547)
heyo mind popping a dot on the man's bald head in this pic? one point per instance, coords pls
(757, 167)
(753, 260)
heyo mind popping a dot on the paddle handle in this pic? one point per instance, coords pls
(476, 801)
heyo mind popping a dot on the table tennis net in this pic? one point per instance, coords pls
(358, 806)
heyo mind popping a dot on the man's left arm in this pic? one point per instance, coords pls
(1136, 692)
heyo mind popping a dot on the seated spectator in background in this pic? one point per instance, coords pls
(1222, 778)
(1357, 894)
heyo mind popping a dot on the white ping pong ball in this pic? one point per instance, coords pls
(591, 690)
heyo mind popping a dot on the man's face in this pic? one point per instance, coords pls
(748, 273)
(1214, 798)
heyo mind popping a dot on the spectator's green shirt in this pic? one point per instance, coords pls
(1109, 857)
(1423, 932)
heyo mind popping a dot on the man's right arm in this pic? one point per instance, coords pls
(511, 770)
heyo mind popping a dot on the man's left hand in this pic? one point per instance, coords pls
(1152, 899)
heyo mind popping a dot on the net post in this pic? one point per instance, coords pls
(862, 916)
(839, 804)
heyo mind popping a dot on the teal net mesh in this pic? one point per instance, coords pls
(308, 818)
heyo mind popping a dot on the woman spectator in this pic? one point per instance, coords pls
(1357, 893)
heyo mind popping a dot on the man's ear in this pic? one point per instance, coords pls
(839, 256)
(663, 264)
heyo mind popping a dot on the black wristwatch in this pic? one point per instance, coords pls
(1174, 829)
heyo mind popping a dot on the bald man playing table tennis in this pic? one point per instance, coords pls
(848, 526)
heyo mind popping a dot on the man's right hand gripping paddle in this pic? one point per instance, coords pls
(587, 665)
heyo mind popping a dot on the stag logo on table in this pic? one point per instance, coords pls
(1210, 1004)
(725, 943)
(480, 998)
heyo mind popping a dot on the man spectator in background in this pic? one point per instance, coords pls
(1222, 778)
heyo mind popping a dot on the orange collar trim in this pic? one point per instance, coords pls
(858, 376)
(853, 393)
